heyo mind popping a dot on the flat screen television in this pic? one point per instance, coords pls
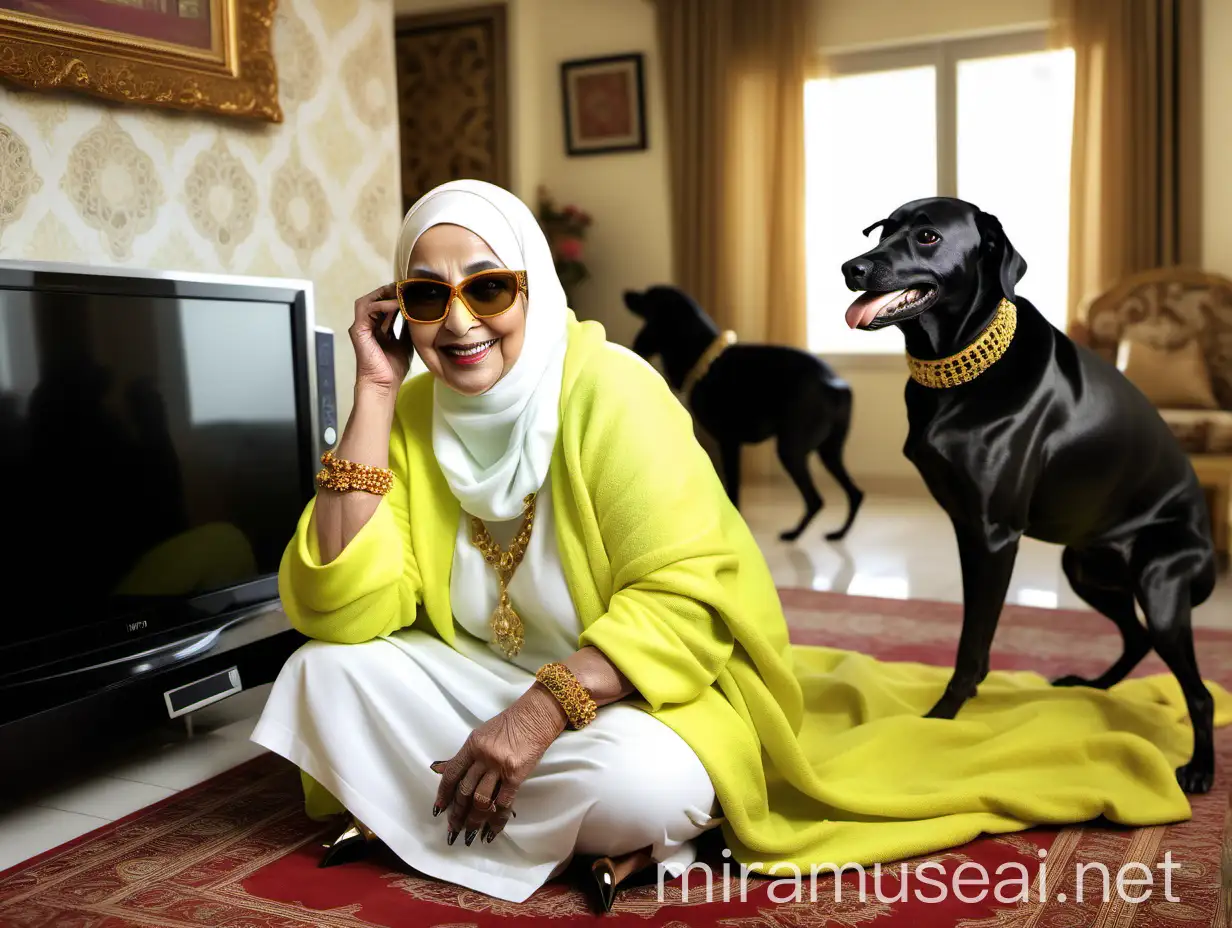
(157, 445)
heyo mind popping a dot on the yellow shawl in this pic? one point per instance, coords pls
(817, 756)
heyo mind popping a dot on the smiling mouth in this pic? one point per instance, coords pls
(873, 310)
(469, 354)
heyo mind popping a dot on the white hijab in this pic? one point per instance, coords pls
(495, 448)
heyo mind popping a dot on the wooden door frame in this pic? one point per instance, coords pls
(495, 14)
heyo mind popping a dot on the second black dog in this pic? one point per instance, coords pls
(1019, 431)
(745, 394)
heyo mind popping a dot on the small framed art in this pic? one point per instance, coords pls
(604, 104)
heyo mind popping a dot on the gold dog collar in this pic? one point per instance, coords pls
(709, 356)
(973, 360)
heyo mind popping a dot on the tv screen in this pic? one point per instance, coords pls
(155, 448)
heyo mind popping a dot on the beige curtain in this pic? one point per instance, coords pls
(734, 75)
(1135, 196)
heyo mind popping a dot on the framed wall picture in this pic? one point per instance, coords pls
(211, 55)
(605, 104)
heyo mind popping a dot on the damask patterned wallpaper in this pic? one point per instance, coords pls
(317, 197)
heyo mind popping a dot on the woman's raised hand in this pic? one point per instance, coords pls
(479, 784)
(381, 360)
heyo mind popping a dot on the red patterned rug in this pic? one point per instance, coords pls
(238, 851)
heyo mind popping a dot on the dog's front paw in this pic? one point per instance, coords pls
(790, 536)
(1195, 777)
(1071, 680)
(945, 709)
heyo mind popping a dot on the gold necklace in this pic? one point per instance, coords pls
(973, 360)
(709, 356)
(506, 623)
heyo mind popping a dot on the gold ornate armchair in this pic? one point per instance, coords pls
(1167, 308)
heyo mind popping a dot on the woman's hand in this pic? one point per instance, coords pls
(479, 784)
(381, 360)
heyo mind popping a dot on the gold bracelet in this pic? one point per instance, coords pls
(559, 680)
(346, 476)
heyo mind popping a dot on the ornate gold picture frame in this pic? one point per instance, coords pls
(204, 55)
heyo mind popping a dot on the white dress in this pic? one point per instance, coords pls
(366, 721)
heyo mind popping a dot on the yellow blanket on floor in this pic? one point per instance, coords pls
(883, 783)
(816, 756)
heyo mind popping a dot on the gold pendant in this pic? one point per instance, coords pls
(507, 626)
(506, 623)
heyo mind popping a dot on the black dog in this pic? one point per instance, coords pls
(750, 393)
(1048, 441)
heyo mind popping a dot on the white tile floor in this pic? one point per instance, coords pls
(899, 548)
(157, 766)
(903, 548)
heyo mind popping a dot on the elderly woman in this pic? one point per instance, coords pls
(541, 630)
(533, 550)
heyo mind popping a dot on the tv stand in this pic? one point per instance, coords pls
(72, 712)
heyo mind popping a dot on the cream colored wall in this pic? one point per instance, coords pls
(316, 197)
(1217, 136)
(629, 244)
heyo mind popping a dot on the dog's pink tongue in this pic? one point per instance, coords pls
(866, 306)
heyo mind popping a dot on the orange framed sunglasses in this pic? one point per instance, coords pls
(487, 294)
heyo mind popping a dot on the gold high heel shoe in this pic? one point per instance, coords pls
(609, 873)
(353, 844)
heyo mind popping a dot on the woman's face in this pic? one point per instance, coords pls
(452, 253)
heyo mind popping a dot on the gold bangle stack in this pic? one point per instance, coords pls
(559, 680)
(347, 476)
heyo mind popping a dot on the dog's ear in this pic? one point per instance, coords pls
(636, 303)
(997, 249)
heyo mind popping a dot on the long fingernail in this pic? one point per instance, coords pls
(436, 810)
(451, 837)
(486, 831)
(514, 814)
(490, 836)
(470, 836)
(436, 763)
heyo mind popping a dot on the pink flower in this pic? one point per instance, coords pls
(570, 249)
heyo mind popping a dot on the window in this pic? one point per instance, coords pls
(986, 120)
(859, 167)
